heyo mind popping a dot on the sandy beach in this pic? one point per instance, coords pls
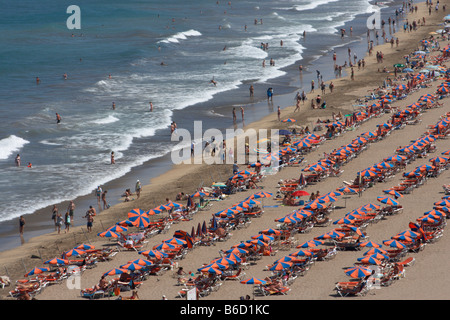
(319, 282)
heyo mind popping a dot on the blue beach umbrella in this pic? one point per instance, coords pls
(358, 272)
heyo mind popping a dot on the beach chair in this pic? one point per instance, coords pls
(91, 294)
(237, 276)
(407, 262)
(353, 288)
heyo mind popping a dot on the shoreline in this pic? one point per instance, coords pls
(156, 191)
(39, 223)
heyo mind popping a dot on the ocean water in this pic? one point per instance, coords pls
(130, 53)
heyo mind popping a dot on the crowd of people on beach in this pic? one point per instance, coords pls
(316, 211)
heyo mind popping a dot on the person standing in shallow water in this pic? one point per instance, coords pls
(17, 160)
(21, 225)
(113, 160)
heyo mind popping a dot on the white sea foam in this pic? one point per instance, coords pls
(311, 5)
(108, 119)
(181, 36)
(10, 145)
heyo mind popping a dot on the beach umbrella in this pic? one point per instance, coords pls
(375, 251)
(289, 120)
(152, 212)
(217, 265)
(85, 247)
(108, 234)
(443, 202)
(326, 198)
(142, 262)
(125, 223)
(225, 261)
(35, 271)
(410, 233)
(200, 194)
(259, 242)
(271, 231)
(388, 201)
(154, 254)
(344, 221)
(253, 281)
(262, 194)
(280, 266)
(331, 235)
(368, 173)
(183, 235)
(302, 253)
(439, 159)
(427, 219)
(141, 222)
(74, 252)
(57, 261)
(175, 205)
(135, 213)
(393, 193)
(394, 244)
(164, 207)
(263, 237)
(131, 266)
(347, 190)
(166, 246)
(310, 244)
(370, 206)
(117, 228)
(396, 158)
(175, 241)
(211, 271)
(369, 260)
(370, 244)
(443, 90)
(402, 237)
(358, 272)
(314, 205)
(401, 87)
(115, 271)
(236, 250)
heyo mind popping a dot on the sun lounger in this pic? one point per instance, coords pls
(345, 289)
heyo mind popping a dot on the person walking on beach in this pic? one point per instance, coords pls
(67, 222)
(17, 160)
(98, 193)
(138, 189)
(279, 113)
(105, 205)
(312, 85)
(270, 94)
(54, 215)
(21, 225)
(71, 209)
(90, 219)
(59, 221)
